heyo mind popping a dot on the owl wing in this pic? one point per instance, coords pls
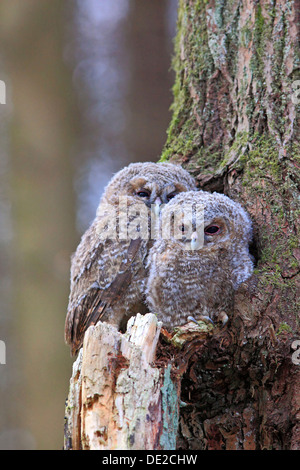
(92, 305)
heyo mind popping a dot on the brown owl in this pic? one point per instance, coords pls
(198, 262)
(108, 269)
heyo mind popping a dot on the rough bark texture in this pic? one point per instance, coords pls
(235, 126)
(115, 393)
(125, 388)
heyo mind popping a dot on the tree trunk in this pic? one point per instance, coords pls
(125, 391)
(235, 127)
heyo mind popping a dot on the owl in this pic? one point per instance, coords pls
(108, 269)
(199, 260)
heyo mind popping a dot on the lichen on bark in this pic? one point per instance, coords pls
(235, 64)
(235, 127)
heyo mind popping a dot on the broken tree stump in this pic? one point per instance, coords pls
(121, 395)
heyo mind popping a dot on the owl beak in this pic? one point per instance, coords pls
(157, 204)
(194, 241)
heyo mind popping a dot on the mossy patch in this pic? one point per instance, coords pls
(193, 64)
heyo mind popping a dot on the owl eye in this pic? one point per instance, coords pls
(212, 229)
(143, 193)
(181, 228)
(171, 196)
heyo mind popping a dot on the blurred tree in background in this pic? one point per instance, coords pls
(88, 91)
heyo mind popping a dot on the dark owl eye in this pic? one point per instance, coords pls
(170, 196)
(181, 228)
(143, 193)
(212, 229)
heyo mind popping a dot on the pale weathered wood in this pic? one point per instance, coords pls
(119, 397)
(116, 398)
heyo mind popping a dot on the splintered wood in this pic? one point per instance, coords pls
(115, 393)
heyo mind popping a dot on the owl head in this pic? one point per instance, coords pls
(149, 183)
(209, 226)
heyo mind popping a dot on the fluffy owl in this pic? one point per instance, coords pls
(108, 269)
(198, 262)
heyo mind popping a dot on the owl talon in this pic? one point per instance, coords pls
(192, 319)
(204, 318)
(223, 317)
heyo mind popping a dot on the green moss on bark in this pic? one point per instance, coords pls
(235, 128)
(193, 64)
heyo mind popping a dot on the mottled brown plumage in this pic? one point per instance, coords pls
(196, 275)
(108, 270)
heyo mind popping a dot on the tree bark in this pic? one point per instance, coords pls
(235, 127)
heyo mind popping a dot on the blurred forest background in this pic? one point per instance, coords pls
(88, 87)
